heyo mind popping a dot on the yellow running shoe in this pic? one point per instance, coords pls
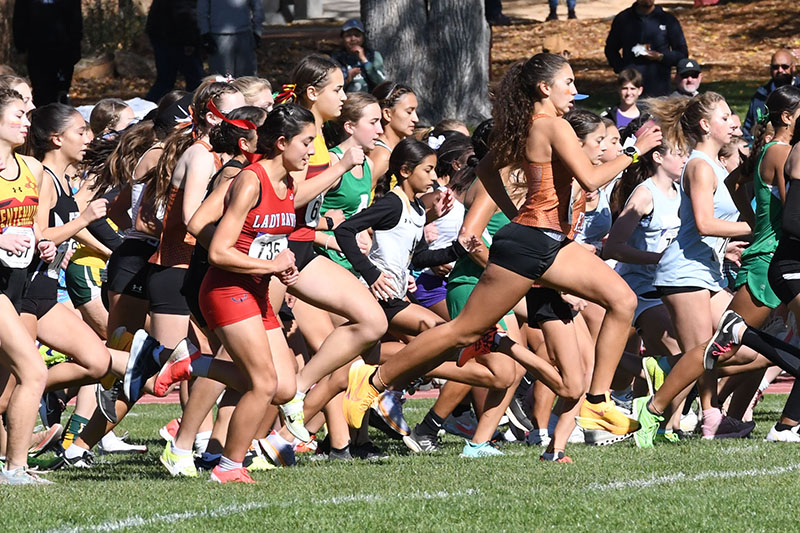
(605, 416)
(120, 340)
(360, 393)
(178, 465)
(654, 374)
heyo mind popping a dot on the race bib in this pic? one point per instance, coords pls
(18, 259)
(267, 246)
(313, 211)
(667, 236)
(719, 249)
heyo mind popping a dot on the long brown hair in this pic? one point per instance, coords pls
(680, 117)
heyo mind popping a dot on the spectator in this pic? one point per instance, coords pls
(629, 84)
(570, 10)
(688, 78)
(494, 13)
(231, 31)
(782, 72)
(50, 33)
(362, 67)
(172, 28)
(651, 41)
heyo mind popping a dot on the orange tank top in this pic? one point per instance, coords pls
(177, 245)
(547, 204)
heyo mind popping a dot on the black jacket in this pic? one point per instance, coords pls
(174, 22)
(48, 27)
(661, 31)
(758, 101)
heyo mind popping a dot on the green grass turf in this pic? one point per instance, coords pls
(742, 485)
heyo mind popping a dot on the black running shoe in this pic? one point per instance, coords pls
(367, 451)
(107, 400)
(722, 341)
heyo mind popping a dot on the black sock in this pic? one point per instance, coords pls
(783, 427)
(372, 380)
(461, 409)
(595, 398)
(340, 450)
(431, 424)
(778, 352)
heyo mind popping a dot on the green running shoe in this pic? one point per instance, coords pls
(178, 465)
(648, 423)
(484, 449)
(670, 437)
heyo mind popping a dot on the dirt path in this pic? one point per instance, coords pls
(592, 9)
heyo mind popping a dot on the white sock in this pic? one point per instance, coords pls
(226, 464)
(74, 451)
(178, 451)
(281, 440)
(201, 441)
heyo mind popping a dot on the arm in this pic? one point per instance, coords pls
(86, 238)
(204, 222)
(700, 180)
(221, 251)
(790, 224)
(677, 43)
(383, 214)
(617, 247)
(613, 45)
(478, 216)
(424, 257)
(373, 70)
(736, 184)
(306, 190)
(118, 210)
(492, 181)
(195, 183)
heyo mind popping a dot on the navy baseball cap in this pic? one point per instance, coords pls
(353, 24)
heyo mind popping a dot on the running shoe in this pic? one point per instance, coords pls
(21, 476)
(667, 436)
(254, 459)
(601, 437)
(85, 460)
(689, 422)
(293, 417)
(605, 415)
(488, 343)
(463, 425)
(177, 368)
(723, 339)
(517, 416)
(421, 443)
(279, 451)
(120, 339)
(178, 465)
(787, 435)
(110, 443)
(207, 461)
(555, 457)
(141, 365)
(538, 437)
(654, 373)
(728, 428)
(484, 449)
(306, 447)
(107, 400)
(648, 423)
(237, 475)
(340, 455)
(45, 439)
(623, 399)
(169, 431)
(389, 407)
(367, 451)
(360, 393)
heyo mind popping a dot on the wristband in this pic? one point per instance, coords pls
(330, 222)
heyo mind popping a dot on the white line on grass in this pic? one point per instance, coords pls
(683, 478)
(227, 510)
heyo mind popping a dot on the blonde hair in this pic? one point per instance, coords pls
(250, 86)
(680, 117)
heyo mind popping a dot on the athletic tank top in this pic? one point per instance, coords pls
(308, 215)
(596, 223)
(654, 233)
(691, 260)
(769, 210)
(392, 248)
(467, 271)
(137, 189)
(267, 226)
(200, 254)
(65, 210)
(19, 200)
(177, 244)
(549, 190)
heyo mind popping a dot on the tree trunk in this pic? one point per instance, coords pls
(438, 47)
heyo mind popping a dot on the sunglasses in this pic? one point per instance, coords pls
(781, 66)
(686, 75)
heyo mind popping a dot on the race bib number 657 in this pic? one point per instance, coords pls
(18, 259)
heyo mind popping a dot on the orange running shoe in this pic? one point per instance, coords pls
(177, 368)
(237, 475)
(486, 344)
(360, 393)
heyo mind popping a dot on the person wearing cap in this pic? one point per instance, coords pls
(231, 32)
(361, 66)
(782, 72)
(688, 78)
(651, 41)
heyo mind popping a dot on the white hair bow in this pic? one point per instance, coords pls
(435, 142)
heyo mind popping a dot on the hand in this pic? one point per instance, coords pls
(412, 284)
(442, 270)
(289, 276)
(443, 203)
(47, 251)
(358, 50)
(383, 288)
(652, 55)
(649, 137)
(471, 243)
(364, 242)
(95, 210)
(352, 73)
(15, 243)
(577, 304)
(430, 232)
(734, 251)
(283, 261)
(337, 215)
(352, 157)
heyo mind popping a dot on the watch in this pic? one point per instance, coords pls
(632, 152)
(330, 222)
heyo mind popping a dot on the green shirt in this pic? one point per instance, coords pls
(769, 209)
(468, 271)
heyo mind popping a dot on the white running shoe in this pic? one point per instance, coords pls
(787, 435)
(110, 443)
(292, 415)
(538, 437)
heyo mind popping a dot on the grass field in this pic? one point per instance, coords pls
(741, 485)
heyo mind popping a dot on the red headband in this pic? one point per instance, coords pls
(239, 123)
